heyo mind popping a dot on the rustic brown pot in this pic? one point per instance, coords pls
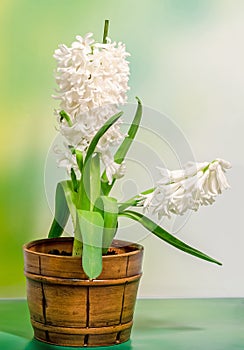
(67, 309)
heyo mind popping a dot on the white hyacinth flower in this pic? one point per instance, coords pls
(113, 169)
(66, 159)
(180, 190)
(92, 80)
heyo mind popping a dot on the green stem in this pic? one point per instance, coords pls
(105, 31)
(132, 202)
(78, 244)
(77, 248)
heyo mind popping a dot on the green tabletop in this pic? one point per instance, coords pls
(170, 324)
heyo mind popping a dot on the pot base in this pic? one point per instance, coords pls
(80, 338)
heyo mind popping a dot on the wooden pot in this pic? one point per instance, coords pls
(68, 309)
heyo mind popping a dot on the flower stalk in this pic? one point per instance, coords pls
(105, 31)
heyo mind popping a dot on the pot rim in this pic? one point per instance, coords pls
(117, 244)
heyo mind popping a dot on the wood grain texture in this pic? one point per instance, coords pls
(67, 309)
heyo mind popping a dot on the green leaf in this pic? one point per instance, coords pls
(167, 237)
(84, 188)
(108, 208)
(90, 184)
(91, 228)
(79, 159)
(124, 147)
(95, 183)
(89, 188)
(74, 180)
(71, 199)
(61, 213)
(100, 133)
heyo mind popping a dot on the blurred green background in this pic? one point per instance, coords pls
(186, 60)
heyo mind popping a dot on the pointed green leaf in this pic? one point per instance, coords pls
(167, 237)
(124, 147)
(87, 193)
(100, 133)
(91, 228)
(108, 208)
(61, 213)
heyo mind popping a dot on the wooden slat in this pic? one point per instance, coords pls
(65, 306)
(81, 282)
(105, 305)
(35, 300)
(129, 301)
(83, 330)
